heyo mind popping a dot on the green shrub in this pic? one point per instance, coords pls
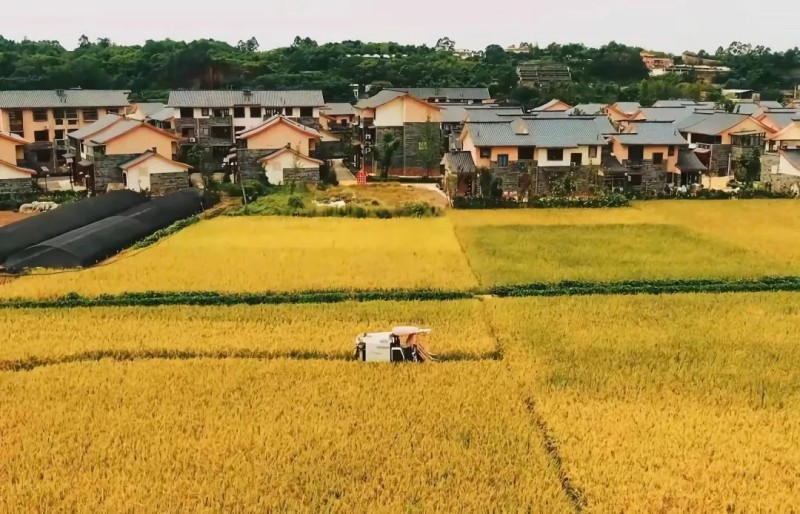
(296, 202)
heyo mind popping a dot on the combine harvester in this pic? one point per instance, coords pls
(389, 346)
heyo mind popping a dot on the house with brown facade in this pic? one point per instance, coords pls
(14, 176)
(117, 151)
(406, 117)
(45, 118)
(261, 150)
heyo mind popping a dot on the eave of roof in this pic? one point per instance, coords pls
(293, 152)
(308, 131)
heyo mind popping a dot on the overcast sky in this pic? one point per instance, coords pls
(669, 25)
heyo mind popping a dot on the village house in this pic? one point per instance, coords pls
(548, 148)
(788, 138)
(261, 149)
(14, 177)
(621, 111)
(654, 61)
(115, 151)
(45, 118)
(720, 138)
(449, 95)
(554, 105)
(779, 119)
(337, 117)
(650, 155)
(406, 117)
(211, 119)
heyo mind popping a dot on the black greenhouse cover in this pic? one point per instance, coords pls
(90, 244)
(65, 218)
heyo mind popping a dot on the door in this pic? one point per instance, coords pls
(576, 159)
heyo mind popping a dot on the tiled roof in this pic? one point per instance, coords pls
(544, 133)
(612, 164)
(224, 98)
(713, 124)
(652, 133)
(771, 104)
(338, 109)
(380, 98)
(667, 113)
(628, 107)
(461, 162)
(747, 108)
(145, 156)
(450, 93)
(271, 121)
(793, 156)
(115, 130)
(148, 109)
(453, 113)
(587, 108)
(68, 98)
(688, 161)
(497, 114)
(13, 137)
(551, 103)
(783, 118)
(681, 102)
(101, 124)
(167, 113)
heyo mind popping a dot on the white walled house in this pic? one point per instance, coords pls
(288, 165)
(153, 172)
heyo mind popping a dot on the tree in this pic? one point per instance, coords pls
(430, 146)
(750, 166)
(83, 41)
(384, 152)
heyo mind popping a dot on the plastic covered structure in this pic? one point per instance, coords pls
(22, 234)
(91, 244)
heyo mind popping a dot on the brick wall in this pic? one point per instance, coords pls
(16, 186)
(249, 167)
(165, 183)
(306, 175)
(107, 170)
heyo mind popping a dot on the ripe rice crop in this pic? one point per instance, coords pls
(234, 436)
(252, 254)
(684, 403)
(323, 331)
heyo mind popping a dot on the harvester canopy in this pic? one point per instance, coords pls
(390, 346)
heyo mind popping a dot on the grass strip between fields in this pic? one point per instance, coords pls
(539, 289)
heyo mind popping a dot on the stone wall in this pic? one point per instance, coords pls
(249, 167)
(16, 185)
(107, 170)
(783, 183)
(407, 161)
(768, 161)
(718, 164)
(397, 158)
(305, 175)
(583, 178)
(165, 183)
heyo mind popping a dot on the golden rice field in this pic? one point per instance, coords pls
(324, 331)
(686, 403)
(255, 254)
(250, 436)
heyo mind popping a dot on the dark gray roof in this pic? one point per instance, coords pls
(450, 93)
(224, 98)
(688, 161)
(123, 127)
(339, 109)
(543, 133)
(164, 114)
(101, 124)
(68, 98)
(681, 102)
(612, 164)
(453, 114)
(693, 119)
(460, 162)
(380, 98)
(713, 124)
(783, 118)
(497, 114)
(149, 108)
(604, 125)
(793, 156)
(748, 108)
(771, 104)
(652, 133)
(667, 113)
(587, 108)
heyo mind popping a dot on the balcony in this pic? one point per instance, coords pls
(222, 121)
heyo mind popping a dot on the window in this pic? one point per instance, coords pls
(576, 159)
(255, 112)
(671, 151)
(72, 121)
(112, 110)
(40, 115)
(205, 112)
(238, 112)
(423, 145)
(71, 114)
(236, 130)
(204, 131)
(306, 112)
(555, 154)
(187, 112)
(41, 135)
(59, 113)
(187, 132)
(525, 153)
(90, 115)
(220, 113)
(60, 134)
(486, 153)
(289, 111)
(502, 160)
(634, 180)
(592, 152)
(658, 158)
(99, 150)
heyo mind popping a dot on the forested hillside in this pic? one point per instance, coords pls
(609, 73)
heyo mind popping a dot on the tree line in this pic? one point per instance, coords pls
(612, 72)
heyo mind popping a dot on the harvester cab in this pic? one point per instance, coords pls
(402, 344)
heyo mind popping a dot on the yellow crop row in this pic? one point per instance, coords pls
(256, 254)
(323, 331)
(236, 436)
(685, 403)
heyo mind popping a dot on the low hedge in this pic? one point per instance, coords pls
(166, 232)
(405, 180)
(545, 202)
